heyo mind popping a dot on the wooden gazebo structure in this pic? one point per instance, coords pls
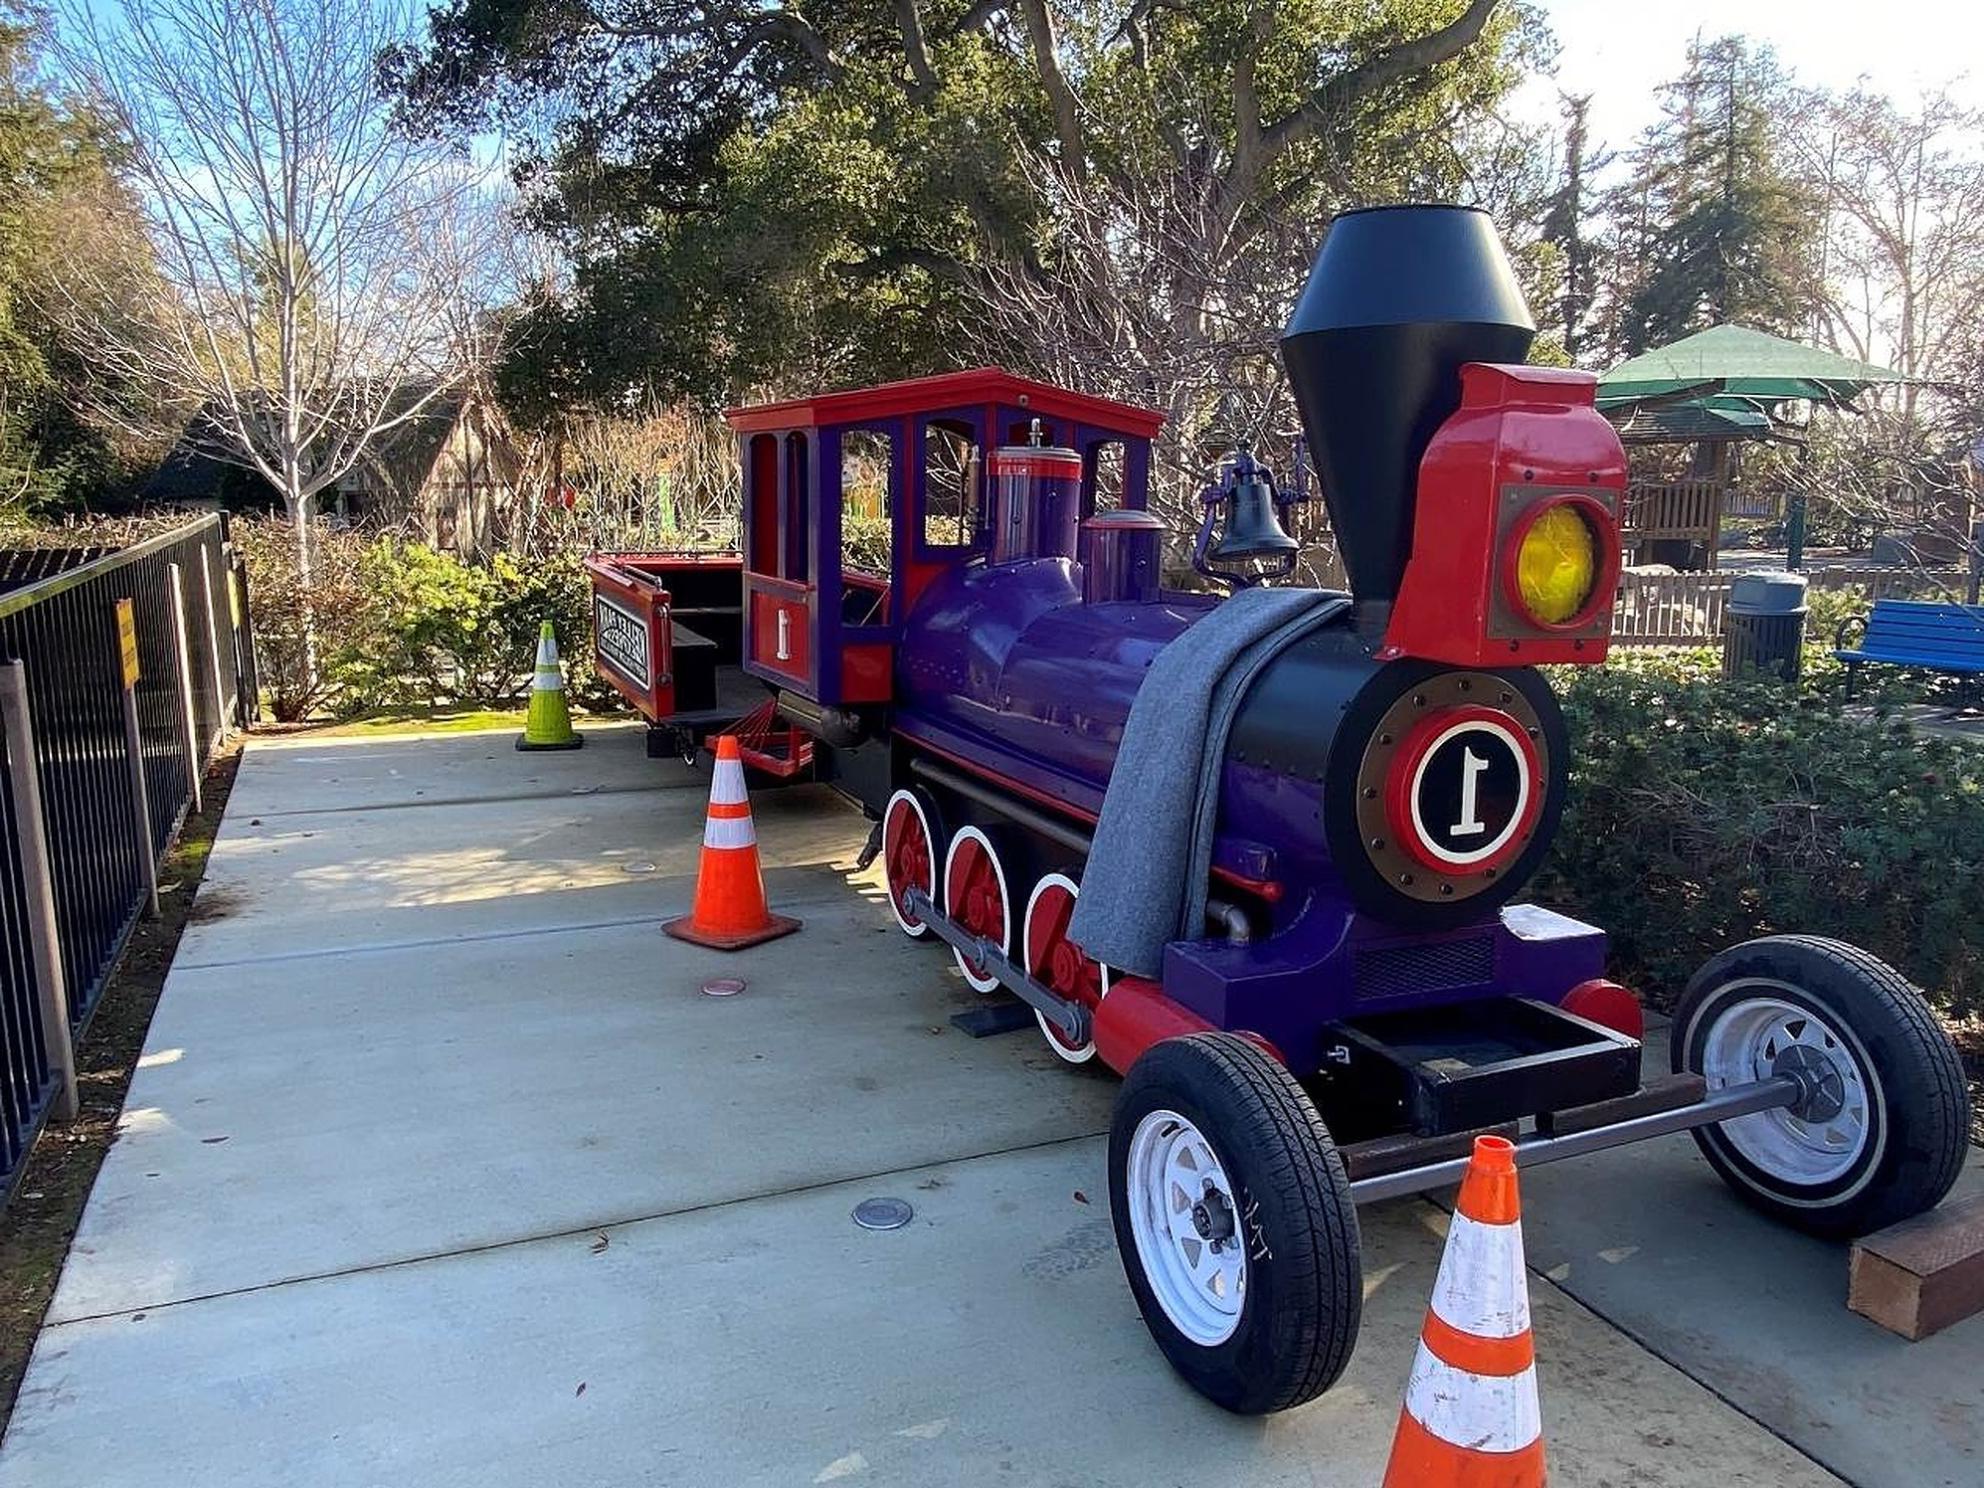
(1714, 390)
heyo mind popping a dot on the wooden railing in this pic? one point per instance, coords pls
(1894, 583)
(1686, 509)
(1753, 505)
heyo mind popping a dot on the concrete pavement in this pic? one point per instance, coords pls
(440, 1170)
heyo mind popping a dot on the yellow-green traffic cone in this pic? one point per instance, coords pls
(548, 725)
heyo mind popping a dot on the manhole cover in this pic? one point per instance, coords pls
(637, 867)
(723, 986)
(882, 1214)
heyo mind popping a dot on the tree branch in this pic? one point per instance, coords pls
(1337, 93)
(916, 49)
(1039, 24)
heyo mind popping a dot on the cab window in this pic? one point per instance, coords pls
(866, 518)
(951, 481)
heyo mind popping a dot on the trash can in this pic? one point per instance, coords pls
(1764, 626)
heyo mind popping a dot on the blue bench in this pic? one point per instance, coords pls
(1906, 632)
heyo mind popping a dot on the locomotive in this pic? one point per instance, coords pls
(1351, 989)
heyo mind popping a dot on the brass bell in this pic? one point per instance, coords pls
(1252, 530)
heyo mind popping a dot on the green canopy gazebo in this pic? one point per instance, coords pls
(1714, 389)
(1735, 365)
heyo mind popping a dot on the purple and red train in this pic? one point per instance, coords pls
(951, 592)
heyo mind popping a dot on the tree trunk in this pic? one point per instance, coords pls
(298, 508)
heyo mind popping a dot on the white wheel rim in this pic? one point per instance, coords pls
(1054, 881)
(979, 981)
(1171, 1169)
(1746, 1042)
(908, 926)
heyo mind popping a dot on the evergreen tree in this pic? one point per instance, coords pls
(61, 204)
(1710, 226)
(1567, 223)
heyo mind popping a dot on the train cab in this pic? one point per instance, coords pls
(854, 502)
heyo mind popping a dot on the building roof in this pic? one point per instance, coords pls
(199, 467)
(946, 390)
(1694, 421)
(1737, 361)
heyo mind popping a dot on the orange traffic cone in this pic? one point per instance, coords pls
(730, 910)
(1471, 1418)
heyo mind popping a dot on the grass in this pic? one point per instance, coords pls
(441, 719)
(37, 1227)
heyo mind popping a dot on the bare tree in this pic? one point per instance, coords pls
(654, 477)
(1142, 294)
(309, 255)
(1904, 240)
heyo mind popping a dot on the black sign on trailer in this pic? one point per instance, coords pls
(622, 639)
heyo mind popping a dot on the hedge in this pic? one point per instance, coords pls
(398, 625)
(1703, 812)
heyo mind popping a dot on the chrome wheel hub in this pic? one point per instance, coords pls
(1823, 1135)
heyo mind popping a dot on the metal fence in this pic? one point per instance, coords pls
(82, 830)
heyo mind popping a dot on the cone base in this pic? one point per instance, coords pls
(526, 743)
(775, 925)
(1422, 1460)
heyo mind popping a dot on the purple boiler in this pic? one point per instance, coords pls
(1008, 671)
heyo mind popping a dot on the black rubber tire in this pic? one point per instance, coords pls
(1304, 1293)
(1920, 1125)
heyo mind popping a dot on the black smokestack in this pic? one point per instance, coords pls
(1398, 299)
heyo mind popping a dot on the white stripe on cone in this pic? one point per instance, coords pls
(727, 786)
(728, 831)
(1481, 1412)
(1482, 1287)
(547, 653)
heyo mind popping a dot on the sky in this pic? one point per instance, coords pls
(1619, 51)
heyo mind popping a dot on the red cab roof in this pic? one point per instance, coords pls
(946, 390)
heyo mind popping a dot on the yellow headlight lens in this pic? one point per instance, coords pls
(1557, 565)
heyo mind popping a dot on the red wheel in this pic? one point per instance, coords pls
(1050, 957)
(909, 855)
(975, 896)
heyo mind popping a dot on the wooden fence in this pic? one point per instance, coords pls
(1686, 609)
(1682, 609)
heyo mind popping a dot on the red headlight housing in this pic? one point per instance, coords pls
(1515, 540)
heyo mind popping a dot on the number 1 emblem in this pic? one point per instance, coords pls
(1470, 823)
(784, 635)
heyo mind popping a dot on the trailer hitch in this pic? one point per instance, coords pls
(1070, 1017)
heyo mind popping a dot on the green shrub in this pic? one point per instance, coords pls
(338, 613)
(440, 630)
(866, 542)
(1703, 812)
(398, 625)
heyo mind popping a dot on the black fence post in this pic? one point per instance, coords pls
(182, 673)
(50, 1006)
(244, 637)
